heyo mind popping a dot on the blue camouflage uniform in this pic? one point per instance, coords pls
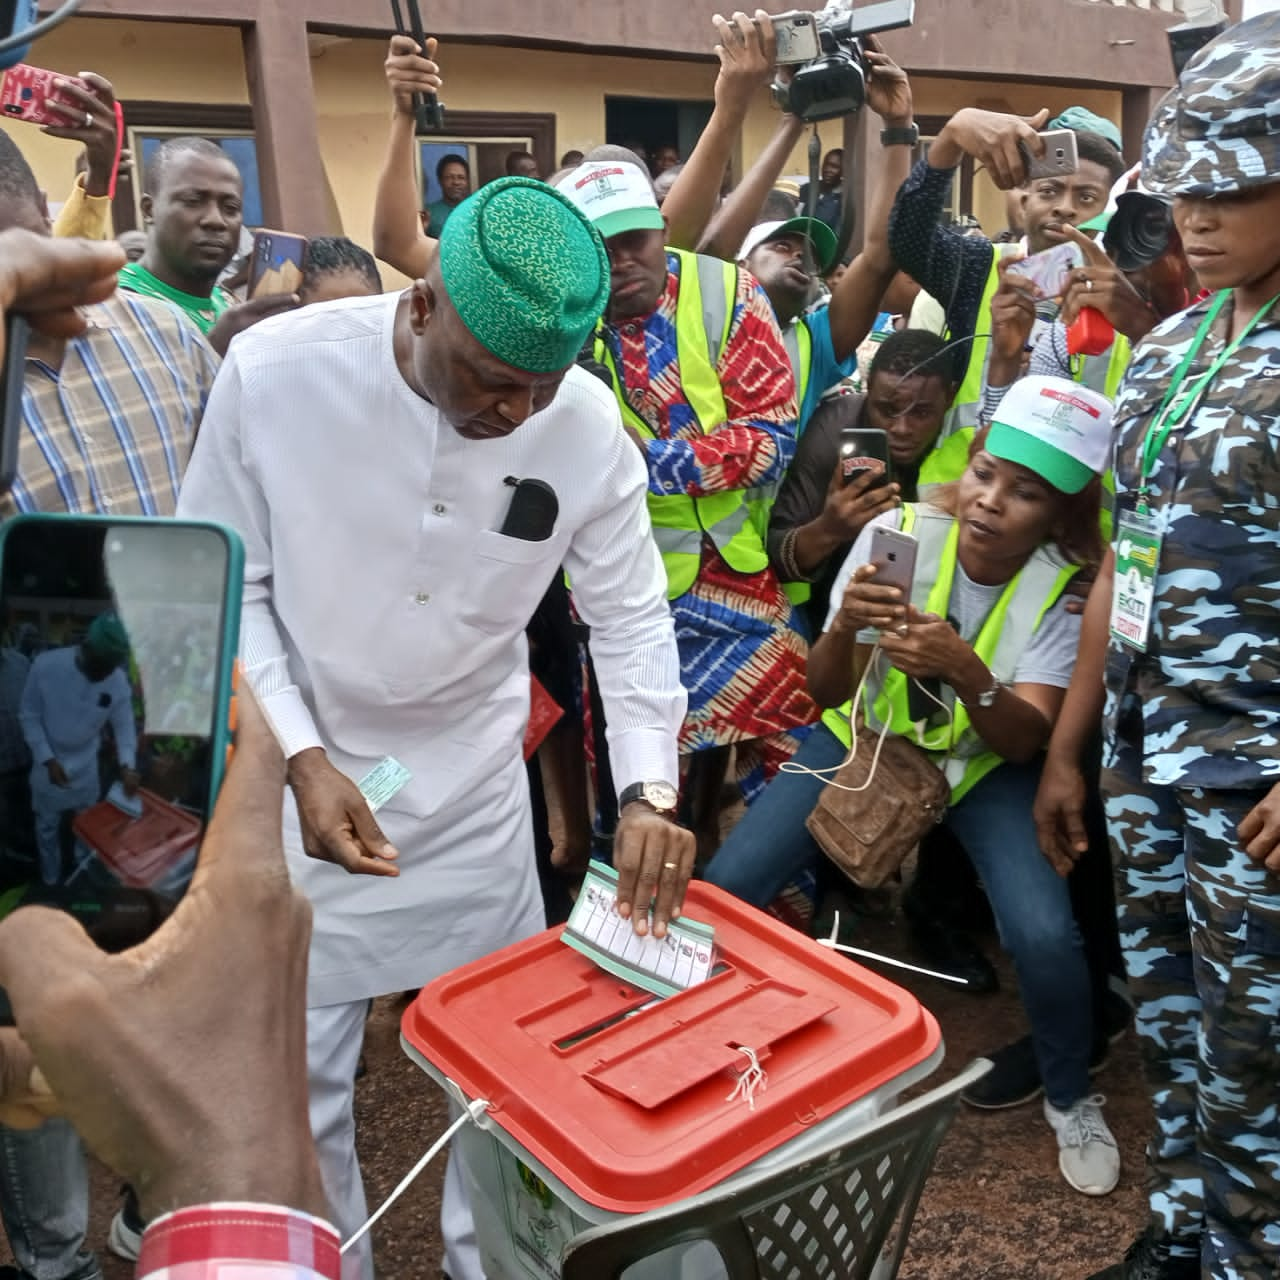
(1193, 744)
(1193, 724)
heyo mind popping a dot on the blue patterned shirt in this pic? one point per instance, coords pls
(110, 430)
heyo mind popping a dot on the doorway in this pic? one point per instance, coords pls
(653, 123)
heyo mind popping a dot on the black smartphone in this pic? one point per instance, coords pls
(117, 640)
(864, 449)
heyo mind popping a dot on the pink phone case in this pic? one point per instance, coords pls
(26, 92)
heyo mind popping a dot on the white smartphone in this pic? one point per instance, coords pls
(894, 555)
(796, 36)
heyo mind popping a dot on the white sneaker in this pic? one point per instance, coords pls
(1087, 1153)
(123, 1240)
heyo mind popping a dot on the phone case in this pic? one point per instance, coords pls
(27, 89)
(863, 449)
(229, 641)
(276, 264)
(1050, 269)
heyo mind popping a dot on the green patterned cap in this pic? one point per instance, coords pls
(526, 272)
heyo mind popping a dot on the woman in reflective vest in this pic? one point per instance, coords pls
(986, 630)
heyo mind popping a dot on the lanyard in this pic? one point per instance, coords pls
(1173, 413)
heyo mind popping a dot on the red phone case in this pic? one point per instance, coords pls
(27, 90)
(1091, 334)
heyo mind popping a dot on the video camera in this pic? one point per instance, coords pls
(834, 82)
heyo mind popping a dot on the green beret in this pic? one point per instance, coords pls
(526, 272)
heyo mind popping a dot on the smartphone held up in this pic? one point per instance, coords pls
(117, 639)
(276, 264)
(27, 91)
(864, 450)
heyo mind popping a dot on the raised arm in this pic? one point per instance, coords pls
(746, 53)
(855, 301)
(738, 214)
(398, 238)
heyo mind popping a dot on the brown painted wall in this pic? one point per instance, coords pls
(1063, 40)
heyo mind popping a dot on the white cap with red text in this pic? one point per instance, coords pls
(614, 196)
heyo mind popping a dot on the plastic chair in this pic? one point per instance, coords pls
(828, 1215)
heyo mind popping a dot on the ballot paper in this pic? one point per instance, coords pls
(681, 959)
(383, 781)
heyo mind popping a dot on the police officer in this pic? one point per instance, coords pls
(1191, 652)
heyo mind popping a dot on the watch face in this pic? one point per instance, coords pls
(662, 795)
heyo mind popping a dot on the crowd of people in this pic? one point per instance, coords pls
(609, 467)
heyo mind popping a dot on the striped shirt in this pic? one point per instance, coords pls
(111, 429)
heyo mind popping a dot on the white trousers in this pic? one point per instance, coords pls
(335, 1034)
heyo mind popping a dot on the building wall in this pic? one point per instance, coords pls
(162, 61)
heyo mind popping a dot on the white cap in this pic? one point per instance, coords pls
(615, 196)
(1056, 428)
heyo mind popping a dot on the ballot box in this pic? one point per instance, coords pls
(605, 1101)
(154, 851)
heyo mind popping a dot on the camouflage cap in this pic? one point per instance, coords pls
(1218, 131)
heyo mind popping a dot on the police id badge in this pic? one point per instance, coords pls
(1133, 595)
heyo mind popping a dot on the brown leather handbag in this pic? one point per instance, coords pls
(868, 830)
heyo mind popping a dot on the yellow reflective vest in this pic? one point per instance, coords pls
(734, 521)
(1000, 643)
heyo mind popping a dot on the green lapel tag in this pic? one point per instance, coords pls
(1133, 596)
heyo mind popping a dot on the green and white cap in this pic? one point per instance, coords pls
(1056, 428)
(613, 196)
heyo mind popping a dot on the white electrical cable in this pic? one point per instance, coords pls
(859, 695)
(882, 959)
(473, 1112)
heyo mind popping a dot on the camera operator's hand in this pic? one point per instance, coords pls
(991, 138)
(410, 71)
(746, 51)
(1013, 313)
(1100, 284)
(90, 117)
(26, 1101)
(46, 279)
(182, 1063)
(888, 90)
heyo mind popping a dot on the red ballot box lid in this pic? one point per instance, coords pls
(631, 1107)
(139, 851)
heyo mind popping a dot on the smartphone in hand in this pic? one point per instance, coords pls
(1061, 155)
(27, 91)
(894, 555)
(276, 263)
(864, 449)
(116, 657)
(1050, 269)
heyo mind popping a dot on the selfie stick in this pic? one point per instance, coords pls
(426, 106)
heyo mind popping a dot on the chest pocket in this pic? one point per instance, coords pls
(1237, 451)
(508, 576)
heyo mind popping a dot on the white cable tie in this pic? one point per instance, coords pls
(875, 955)
(755, 1079)
(474, 1110)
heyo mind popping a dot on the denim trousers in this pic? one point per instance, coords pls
(1030, 901)
(44, 1201)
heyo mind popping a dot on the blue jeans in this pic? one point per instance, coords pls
(44, 1201)
(1031, 902)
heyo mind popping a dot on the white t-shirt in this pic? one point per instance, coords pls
(1049, 657)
